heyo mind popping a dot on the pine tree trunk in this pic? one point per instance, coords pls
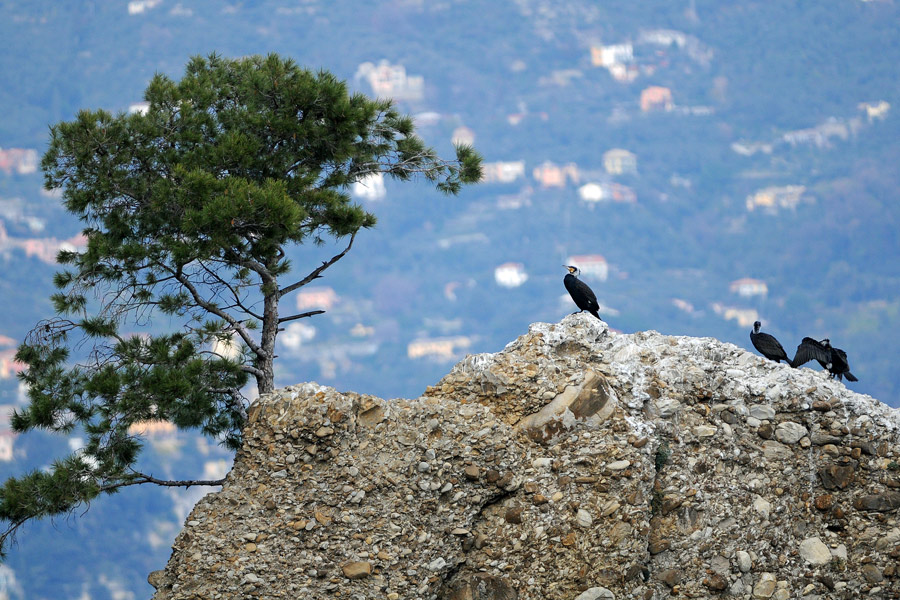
(265, 381)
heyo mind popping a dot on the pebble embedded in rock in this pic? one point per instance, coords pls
(789, 432)
(743, 561)
(357, 569)
(596, 593)
(814, 551)
(514, 515)
(765, 586)
(763, 412)
(584, 518)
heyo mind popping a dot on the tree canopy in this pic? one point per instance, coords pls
(188, 208)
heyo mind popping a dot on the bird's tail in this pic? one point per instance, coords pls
(850, 376)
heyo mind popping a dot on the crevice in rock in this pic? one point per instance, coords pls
(495, 499)
(655, 544)
(448, 578)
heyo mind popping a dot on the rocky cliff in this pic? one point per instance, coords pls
(576, 464)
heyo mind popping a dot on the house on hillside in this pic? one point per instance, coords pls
(510, 275)
(875, 110)
(46, 249)
(22, 161)
(693, 47)
(619, 162)
(137, 7)
(462, 136)
(9, 366)
(820, 135)
(745, 317)
(7, 440)
(750, 148)
(391, 81)
(296, 335)
(607, 56)
(617, 59)
(656, 98)
(153, 429)
(552, 175)
(323, 298)
(441, 349)
(593, 193)
(592, 266)
(502, 172)
(774, 197)
(748, 287)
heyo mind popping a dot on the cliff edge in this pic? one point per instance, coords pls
(575, 464)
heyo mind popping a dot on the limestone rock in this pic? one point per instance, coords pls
(596, 593)
(744, 561)
(765, 587)
(576, 463)
(789, 432)
(814, 551)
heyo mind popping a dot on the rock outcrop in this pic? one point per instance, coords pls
(576, 464)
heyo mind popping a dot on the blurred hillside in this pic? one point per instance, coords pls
(711, 164)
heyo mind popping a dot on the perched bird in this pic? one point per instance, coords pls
(832, 359)
(767, 345)
(582, 295)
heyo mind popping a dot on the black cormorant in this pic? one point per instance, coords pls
(582, 295)
(767, 345)
(834, 360)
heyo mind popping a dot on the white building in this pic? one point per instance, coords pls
(503, 172)
(462, 136)
(607, 56)
(592, 192)
(137, 7)
(510, 275)
(748, 287)
(316, 298)
(296, 334)
(391, 81)
(440, 349)
(7, 438)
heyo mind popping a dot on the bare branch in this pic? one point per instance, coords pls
(238, 326)
(238, 302)
(317, 272)
(143, 478)
(300, 316)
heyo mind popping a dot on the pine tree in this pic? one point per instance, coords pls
(188, 209)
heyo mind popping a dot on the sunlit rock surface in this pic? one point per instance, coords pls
(576, 464)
